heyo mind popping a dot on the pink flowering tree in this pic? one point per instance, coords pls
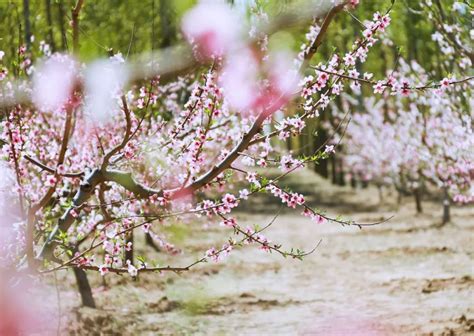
(417, 129)
(96, 153)
(417, 137)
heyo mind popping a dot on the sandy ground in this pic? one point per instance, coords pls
(405, 277)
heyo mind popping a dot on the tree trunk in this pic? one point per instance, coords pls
(167, 23)
(26, 17)
(75, 25)
(322, 168)
(49, 19)
(340, 175)
(380, 192)
(353, 182)
(62, 27)
(84, 287)
(417, 194)
(446, 205)
(150, 242)
(333, 169)
(399, 197)
(322, 165)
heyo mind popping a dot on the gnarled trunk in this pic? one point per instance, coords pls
(84, 287)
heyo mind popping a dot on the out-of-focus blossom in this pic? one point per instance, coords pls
(459, 7)
(213, 27)
(24, 306)
(3, 74)
(250, 86)
(104, 81)
(53, 82)
(22, 302)
(354, 3)
(283, 78)
(239, 80)
(10, 215)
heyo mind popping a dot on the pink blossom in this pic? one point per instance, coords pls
(108, 260)
(3, 74)
(349, 60)
(60, 169)
(244, 194)
(329, 149)
(319, 219)
(230, 200)
(379, 87)
(307, 213)
(405, 89)
(103, 270)
(51, 181)
(146, 227)
(229, 222)
(212, 253)
(368, 75)
(132, 270)
(287, 163)
(445, 83)
(252, 178)
(324, 77)
(336, 88)
(74, 213)
(354, 3)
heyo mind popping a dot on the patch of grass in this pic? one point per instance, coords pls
(193, 300)
(177, 232)
(198, 304)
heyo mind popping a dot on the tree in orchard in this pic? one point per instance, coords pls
(418, 132)
(424, 138)
(97, 153)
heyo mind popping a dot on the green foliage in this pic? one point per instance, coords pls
(128, 26)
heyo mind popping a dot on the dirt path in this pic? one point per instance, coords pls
(401, 278)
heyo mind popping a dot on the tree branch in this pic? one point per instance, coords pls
(125, 139)
(36, 162)
(319, 39)
(75, 25)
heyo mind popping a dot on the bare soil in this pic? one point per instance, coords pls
(408, 276)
